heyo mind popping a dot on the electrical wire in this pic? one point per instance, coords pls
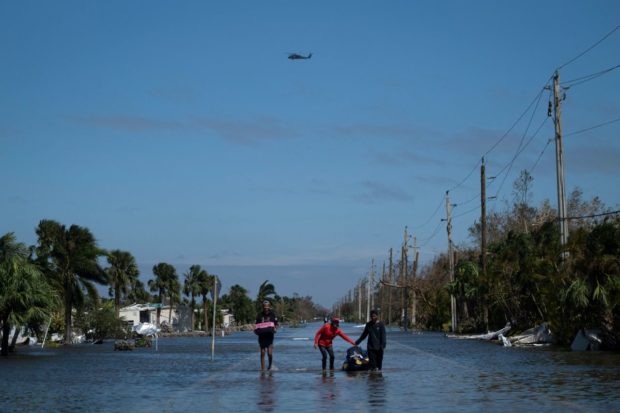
(467, 177)
(540, 155)
(536, 99)
(592, 127)
(466, 212)
(594, 215)
(469, 200)
(517, 154)
(431, 217)
(589, 48)
(425, 241)
(584, 79)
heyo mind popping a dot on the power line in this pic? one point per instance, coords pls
(595, 215)
(432, 216)
(589, 48)
(592, 127)
(587, 78)
(536, 99)
(540, 155)
(516, 155)
(425, 241)
(466, 212)
(522, 147)
(466, 178)
(469, 200)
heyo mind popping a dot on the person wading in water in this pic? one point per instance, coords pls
(375, 330)
(266, 326)
(323, 339)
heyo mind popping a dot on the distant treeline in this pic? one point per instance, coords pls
(52, 286)
(530, 277)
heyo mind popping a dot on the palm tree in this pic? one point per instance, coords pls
(266, 291)
(174, 295)
(191, 286)
(240, 304)
(137, 293)
(122, 273)
(69, 257)
(164, 273)
(205, 285)
(24, 292)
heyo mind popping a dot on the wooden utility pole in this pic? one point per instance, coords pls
(382, 290)
(404, 280)
(390, 280)
(414, 272)
(369, 289)
(483, 239)
(359, 300)
(450, 259)
(559, 160)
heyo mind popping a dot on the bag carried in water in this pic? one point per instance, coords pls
(267, 327)
(356, 360)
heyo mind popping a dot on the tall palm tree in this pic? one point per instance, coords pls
(164, 273)
(191, 286)
(69, 256)
(24, 292)
(174, 295)
(266, 291)
(205, 285)
(122, 273)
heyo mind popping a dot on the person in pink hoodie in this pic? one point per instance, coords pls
(323, 340)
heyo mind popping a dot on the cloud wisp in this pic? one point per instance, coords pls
(375, 192)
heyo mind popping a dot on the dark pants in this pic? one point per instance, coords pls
(324, 352)
(375, 358)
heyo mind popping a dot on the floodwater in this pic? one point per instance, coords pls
(422, 372)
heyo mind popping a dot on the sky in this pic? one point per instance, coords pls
(180, 131)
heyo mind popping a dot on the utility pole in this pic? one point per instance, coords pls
(450, 259)
(359, 300)
(382, 290)
(414, 272)
(404, 280)
(559, 160)
(390, 280)
(372, 285)
(369, 289)
(483, 239)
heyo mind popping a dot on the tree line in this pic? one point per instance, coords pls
(54, 284)
(530, 277)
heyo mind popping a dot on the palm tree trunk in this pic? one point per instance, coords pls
(170, 312)
(68, 305)
(14, 339)
(6, 331)
(205, 305)
(117, 301)
(192, 306)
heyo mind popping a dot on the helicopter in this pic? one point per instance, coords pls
(297, 56)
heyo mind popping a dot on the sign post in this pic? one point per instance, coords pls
(216, 287)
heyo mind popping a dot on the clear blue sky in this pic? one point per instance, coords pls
(180, 131)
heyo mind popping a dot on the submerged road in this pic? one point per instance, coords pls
(423, 372)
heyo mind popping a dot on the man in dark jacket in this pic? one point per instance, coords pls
(375, 331)
(266, 326)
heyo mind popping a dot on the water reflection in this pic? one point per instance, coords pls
(328, 391)
(376, 389)
(266, 390)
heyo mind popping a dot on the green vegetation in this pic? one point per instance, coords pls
(530, 277)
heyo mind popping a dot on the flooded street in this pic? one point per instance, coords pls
(423, 372)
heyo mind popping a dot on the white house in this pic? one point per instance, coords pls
(147, 313)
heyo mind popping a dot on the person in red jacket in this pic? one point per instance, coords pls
(323, 339)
